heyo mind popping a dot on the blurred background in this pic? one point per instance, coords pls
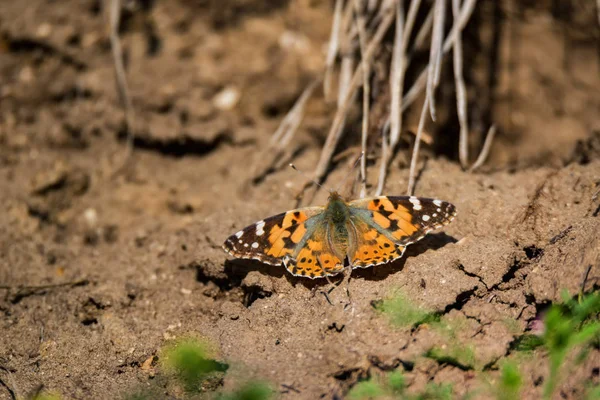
(135, 136)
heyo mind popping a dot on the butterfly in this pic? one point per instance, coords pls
(320, 241)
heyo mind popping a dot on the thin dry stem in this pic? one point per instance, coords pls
(345, 48)
(461, 92)
(14, 392)
(435, 54)
(117, 53)
(414, 92)
(290, 124)
(397, 77)
(399, 65)
(332, 50)
(396, 87)
(362, 39)
(415, 153)
(278, 144)
(485, 150)
(335, 131)
(386, 151)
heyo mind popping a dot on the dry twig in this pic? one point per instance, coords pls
(14, 392)
(332, 50)
(278, 144)
(485, 150)
(461, 92)
(415, 153)
(335, 131)
(362, 38)
(435, 54)
(117, 53)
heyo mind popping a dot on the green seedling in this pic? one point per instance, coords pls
(189, 361)
(393, 386)
(593, 393)
(568, 326)
(510, 383)
(462, 357)
(47, 396)
(434, 391)
(369, 389)
(403, 313)
(255, 390)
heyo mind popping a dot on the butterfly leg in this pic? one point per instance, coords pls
(347, 273)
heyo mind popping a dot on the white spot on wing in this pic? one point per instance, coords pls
(239, 234)
(415, 202)
(425, 217)
(437, 203)
(255, 245)
(245, 244)
(259, 228)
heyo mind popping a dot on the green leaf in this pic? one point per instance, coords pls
(593, 393)
(47, 396)
(510, 382)
(396, 382)
(586, 334)
(434, 391)
(366, 390)
(250, 391)
(404, 313)
(528, 342)
(188, 360)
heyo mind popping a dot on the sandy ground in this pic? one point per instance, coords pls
(99, 271)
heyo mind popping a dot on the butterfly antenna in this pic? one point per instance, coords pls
(306, 176)
(349, 174)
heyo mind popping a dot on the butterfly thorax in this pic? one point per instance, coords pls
(338, 222)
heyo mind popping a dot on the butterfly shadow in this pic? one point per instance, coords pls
(433, 241)
(237, 269)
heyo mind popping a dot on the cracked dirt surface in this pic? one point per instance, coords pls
(97, 272)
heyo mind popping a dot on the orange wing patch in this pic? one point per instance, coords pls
(395, 218)
(314, 260)
(282, 238)
(375, 248)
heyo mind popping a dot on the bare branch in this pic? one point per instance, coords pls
(435, 53)
(461, 92)
(385, 156)
(117, 53)
(291, 122)
(396, 87)
(399, 65)
(421, 81)
(362, 39)
(485, 150)
(335, 132)
(415, 153)
(332, 50)
(397, 77)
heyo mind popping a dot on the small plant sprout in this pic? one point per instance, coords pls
(190, 362)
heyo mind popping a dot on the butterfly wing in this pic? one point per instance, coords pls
(273, 239)
(313, 257)
(295, 239)
(385, 225)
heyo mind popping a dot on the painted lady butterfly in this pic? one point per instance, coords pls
(318, 241)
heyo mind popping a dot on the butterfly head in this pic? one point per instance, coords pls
(334, 195)
(337, 209)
